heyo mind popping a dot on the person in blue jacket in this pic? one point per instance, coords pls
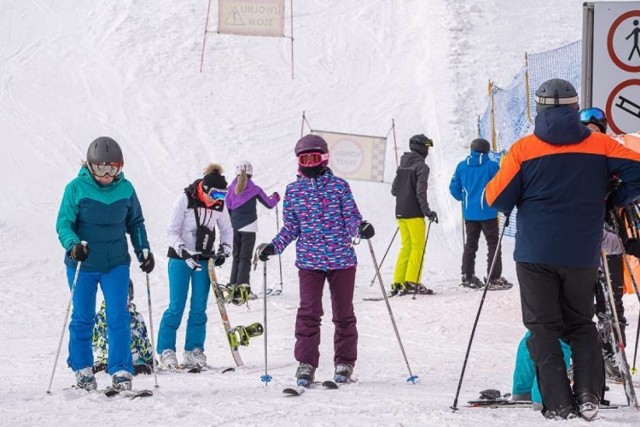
(467, 186)
(99, 208)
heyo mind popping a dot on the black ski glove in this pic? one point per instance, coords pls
(365, 230)
(146, 264)
(224, 251)
(433, 216)
(218, 260)
(79, 252)
(265, 250)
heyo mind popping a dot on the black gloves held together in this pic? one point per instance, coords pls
(632, 247)
(365, 230)
(432, 216)
(79, 252)
(146, 264)
(218, 259)
(265, 250)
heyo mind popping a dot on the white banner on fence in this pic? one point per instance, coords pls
(356, 156)
(251, 17)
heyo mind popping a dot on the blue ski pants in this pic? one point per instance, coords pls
(179, 277)
(115, 288)
(525, 379)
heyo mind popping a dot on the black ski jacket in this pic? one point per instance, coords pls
(410, 187)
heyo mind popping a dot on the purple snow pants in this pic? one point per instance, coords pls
(309, 318)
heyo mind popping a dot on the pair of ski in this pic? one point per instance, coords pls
(610, 332)
(299, 390)
(113, 391)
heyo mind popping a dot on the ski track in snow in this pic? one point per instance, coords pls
(74, 70)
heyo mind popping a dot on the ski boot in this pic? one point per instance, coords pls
(470, 281)
(398, 289)
(499, 284)
(417, 288)
(238, 294)
(305, 374)
(85, 379)
(195, 359)
(240, 334)
(343, 373)
(168, 359)
(121, 380)
(588, 405)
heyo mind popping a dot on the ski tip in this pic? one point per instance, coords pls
(331, 385)
(293, 391)
(230, 369)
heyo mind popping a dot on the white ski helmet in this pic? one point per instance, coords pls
(244, 166)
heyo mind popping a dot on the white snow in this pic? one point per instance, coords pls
(73, 70)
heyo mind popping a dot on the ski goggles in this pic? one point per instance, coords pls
(593, 114)
(216, 194)
(312, 159)
(106, 168)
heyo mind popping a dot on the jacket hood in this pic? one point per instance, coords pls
(411, 158)
(560, 126)
(192, 189)
(477, 158)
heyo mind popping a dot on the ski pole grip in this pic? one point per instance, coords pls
(145, 253)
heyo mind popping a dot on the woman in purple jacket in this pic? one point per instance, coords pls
(321, 214)
(241, 201)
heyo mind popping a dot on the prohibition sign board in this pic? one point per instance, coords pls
(623, 107)
(616, 41)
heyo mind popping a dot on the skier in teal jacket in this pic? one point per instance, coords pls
(99, 208)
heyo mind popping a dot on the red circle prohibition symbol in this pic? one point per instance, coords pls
(612, 52)
(610, 100)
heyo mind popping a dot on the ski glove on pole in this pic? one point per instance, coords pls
(276, 196)
(79, 252)
(365, 230)
(146, 264)
(265, 250)
(188, 258)
(432, 216)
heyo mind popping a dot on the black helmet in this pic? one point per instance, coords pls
(311, 143)
(481, 145)
(104, 150)
(420, 144)
(554, 93)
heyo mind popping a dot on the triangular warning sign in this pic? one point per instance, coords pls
(234, 18)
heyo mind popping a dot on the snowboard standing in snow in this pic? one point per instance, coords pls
(235, 336)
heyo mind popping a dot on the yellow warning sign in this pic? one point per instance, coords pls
(251, 17)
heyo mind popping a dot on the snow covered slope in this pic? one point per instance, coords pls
(73, 70)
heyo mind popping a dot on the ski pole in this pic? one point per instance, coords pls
(66, 317)
(632, 400)
(412, 378)
(424, 250)
(279, 256)
(475, 323)
(266, 378)
(385, 254)
(635, 352)
(145, 254)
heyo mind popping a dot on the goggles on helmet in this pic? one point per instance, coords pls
(593, 114)
(312, 159)
(217, 194)
(106, 168)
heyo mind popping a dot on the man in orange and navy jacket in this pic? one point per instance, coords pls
(557, 177)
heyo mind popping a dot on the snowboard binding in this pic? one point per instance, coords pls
(240, 335)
